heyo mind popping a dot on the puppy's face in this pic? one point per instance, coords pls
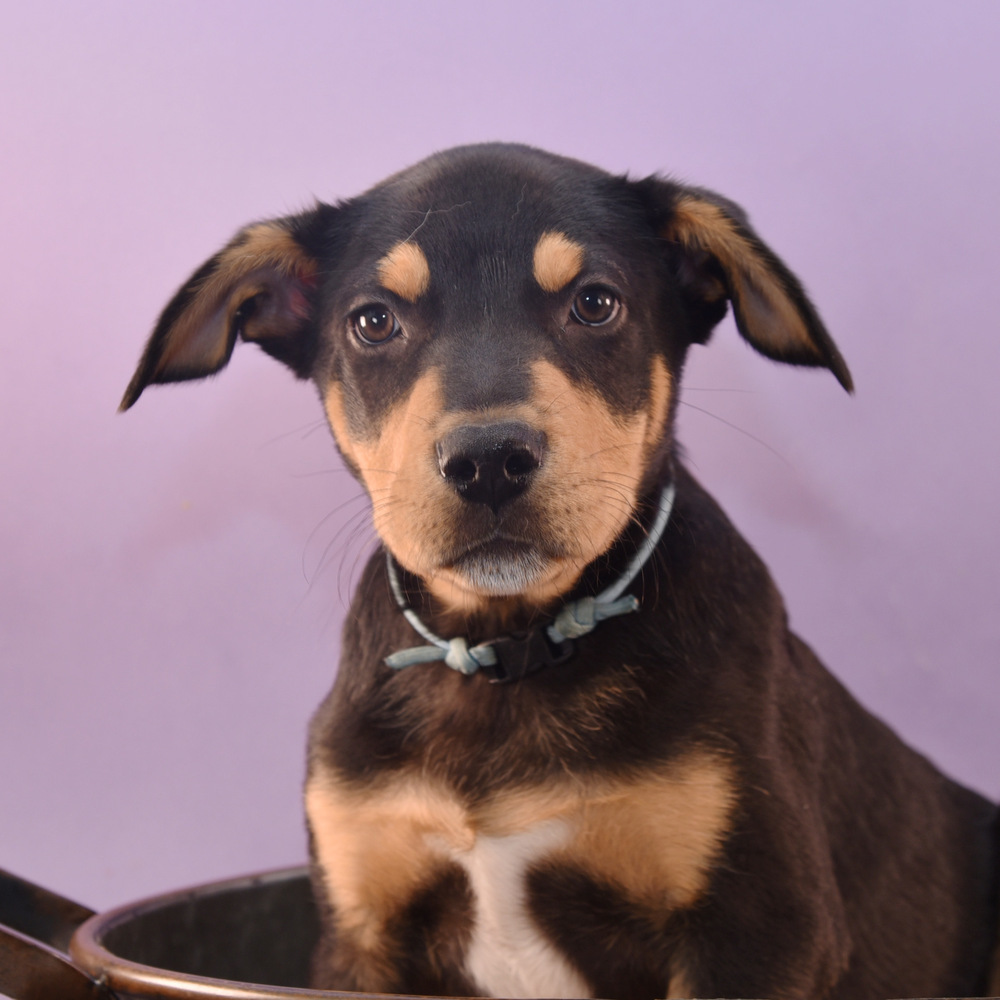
(493, 366)
(496, 335)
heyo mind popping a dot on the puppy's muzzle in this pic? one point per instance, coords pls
(491, 464)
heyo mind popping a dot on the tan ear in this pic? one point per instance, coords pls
(770, 306)
(260, 287)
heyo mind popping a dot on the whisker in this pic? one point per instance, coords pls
(350, 524)
(702, 388)
(738, 429)
(334, 470)
(303, 431)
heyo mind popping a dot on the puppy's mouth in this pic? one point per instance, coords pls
(501, 566)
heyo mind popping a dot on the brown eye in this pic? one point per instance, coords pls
(595, 306)
(374, 324)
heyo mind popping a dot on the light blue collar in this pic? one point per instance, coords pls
(574, 619)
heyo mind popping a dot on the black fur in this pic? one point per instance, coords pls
(848, 867)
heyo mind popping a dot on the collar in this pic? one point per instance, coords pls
(511, 657)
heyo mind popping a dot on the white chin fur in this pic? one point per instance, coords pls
(502, 575)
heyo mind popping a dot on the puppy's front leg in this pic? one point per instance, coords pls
(398, 911)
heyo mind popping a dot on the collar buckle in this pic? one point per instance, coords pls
(523, 653)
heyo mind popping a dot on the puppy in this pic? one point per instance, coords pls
(572, 749)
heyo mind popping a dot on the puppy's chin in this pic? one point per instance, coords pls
(504, 572)
(504, 588)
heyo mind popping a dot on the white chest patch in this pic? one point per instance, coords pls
(509, 956)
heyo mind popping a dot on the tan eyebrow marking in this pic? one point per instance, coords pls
(404, 270)
(558, 260)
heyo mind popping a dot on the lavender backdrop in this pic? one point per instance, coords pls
(172, 581)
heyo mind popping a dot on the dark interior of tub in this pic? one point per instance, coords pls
(257, 931)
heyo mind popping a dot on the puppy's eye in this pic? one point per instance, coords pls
(374, 324)
(595, 306)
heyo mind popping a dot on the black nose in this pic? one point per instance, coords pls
(491, 463)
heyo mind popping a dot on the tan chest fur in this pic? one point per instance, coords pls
(653, 836)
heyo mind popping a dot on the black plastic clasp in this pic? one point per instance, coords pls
(524, 653)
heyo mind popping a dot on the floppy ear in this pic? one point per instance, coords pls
(260, 287)
(722, 257)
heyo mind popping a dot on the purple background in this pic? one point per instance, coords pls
(172, 581)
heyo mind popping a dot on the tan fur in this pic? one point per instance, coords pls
(590, 477)
(405, 271)
(245, 268)
(373, 846)
(657, 836)
(679, 988)
(660, 392)
(654, 836)
(557, 261)
(336, 415)
(399, 469)
(700, 224)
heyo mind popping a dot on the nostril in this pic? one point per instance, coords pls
(460, 470)
(520, 463)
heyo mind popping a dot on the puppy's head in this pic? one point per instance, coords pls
(497, 336)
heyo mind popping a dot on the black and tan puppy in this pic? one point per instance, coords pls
(572, 749)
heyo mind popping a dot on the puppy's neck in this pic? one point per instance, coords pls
(495, 616)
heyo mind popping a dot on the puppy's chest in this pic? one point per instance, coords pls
(649, 841)
(507, 954)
